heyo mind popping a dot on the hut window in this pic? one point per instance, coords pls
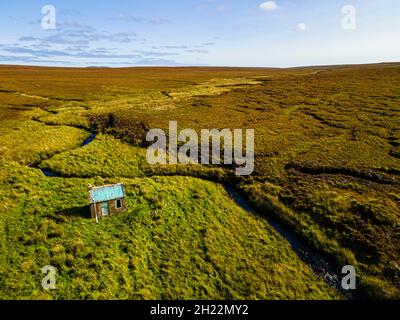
(118, 204)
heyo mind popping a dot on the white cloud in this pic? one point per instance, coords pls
(302, 27)
(269, 6)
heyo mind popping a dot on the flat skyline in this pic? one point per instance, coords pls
(200, 33)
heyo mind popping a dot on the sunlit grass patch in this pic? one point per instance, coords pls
(210, 88)
(105, 156)
(31, 141)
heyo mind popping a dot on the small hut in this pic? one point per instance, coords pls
(107, 200)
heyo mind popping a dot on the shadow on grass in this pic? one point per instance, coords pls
(77, 212)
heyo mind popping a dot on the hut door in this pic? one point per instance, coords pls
(105, 209)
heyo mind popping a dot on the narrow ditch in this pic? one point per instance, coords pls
(382, 177)
(321, 265)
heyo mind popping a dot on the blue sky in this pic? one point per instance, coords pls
(250, 33)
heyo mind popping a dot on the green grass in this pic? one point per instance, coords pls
(105, 157)
(30, 142)
(327, 166)
(165, 247)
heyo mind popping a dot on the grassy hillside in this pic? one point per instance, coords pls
(168, 245)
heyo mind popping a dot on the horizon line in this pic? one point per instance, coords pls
(198, 66)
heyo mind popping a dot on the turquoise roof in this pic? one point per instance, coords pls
(107, 193)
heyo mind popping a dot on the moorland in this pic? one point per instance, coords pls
(327, 168)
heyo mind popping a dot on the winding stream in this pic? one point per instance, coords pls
(51, 174)
(317, 262)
